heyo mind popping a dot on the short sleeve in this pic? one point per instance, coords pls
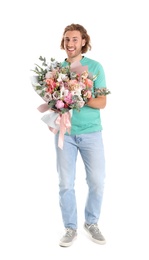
(100, 81)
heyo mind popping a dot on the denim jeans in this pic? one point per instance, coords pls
(91, 150)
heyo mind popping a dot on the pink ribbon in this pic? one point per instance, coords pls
(63, 120)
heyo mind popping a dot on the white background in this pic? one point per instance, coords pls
(30, 218)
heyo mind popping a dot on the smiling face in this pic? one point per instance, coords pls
(73, 43)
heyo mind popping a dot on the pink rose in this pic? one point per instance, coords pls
(68, 98)
(88, 82)
(59, 104)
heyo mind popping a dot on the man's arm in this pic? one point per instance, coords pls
(98, 102)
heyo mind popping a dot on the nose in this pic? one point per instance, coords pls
(70, 43)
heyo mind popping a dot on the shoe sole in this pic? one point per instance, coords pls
(93, 239)
(63, 244)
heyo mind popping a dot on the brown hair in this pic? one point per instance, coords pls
(83, 31)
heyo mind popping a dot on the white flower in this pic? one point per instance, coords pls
(76, 92)
(62, 91)
(66, 91)
(49, 75)
(55, 95)
(62, 77)
(81, 103)
(47, 97)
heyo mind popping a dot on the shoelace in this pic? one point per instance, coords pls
(96, 229)
(68, 232)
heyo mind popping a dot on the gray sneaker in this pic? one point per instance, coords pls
(95, 233)
(68, 238)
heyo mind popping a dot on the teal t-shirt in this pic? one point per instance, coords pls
(88, 120)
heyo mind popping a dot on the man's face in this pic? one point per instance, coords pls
(73, 43)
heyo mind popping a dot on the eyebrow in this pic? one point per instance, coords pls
(66, 37)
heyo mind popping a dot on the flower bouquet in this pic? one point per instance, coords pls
(62, 89)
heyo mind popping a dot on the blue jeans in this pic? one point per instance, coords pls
(91, 150)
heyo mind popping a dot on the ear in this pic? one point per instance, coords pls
(83, 42)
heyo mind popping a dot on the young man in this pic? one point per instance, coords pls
(86, 138)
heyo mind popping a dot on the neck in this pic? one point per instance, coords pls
(71, 60)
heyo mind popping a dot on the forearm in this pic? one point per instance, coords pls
(98, 102)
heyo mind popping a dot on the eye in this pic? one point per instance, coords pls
(66, 40)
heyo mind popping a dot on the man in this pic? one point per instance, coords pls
(86, 138)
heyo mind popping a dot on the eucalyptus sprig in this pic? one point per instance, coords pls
(101, 92)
